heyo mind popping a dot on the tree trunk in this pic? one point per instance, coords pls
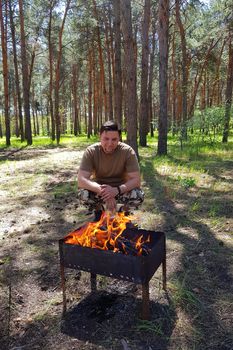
(57, 77)
(96, 95)
(26, 92)
(33, 110)
(214, 98)
(90, 69)
(184, 70)
(151, 76)
(17, 82)
(117, 83)
(163, 28)
(50, 47)
(1, 135)
(16, 114)
(174, 87)
(229, 87)
(203, 94)
(144, 108)
(101, 62)
(130, 74)
(5, 72)
(108, 40)
(199, 77)
(75, 102)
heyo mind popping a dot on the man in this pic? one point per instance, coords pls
(109, 173)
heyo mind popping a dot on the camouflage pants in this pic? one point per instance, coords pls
(131, 199)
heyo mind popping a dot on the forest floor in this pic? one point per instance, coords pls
(39, 206)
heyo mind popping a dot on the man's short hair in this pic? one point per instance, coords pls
(110, 126)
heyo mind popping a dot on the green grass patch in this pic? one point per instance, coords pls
(186, 182)
(5, 260)
(46, 142)
(65, 188)
(182, 296)
(150, 326)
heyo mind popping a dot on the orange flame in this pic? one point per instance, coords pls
(106, 234)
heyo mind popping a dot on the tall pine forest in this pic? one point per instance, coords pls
(157, 67)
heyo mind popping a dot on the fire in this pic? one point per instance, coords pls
(108, 234)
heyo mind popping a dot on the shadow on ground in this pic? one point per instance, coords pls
(106, 318)
(201, 286)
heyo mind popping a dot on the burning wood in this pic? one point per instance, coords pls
(110, 233)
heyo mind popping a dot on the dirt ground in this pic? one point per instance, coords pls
(39, 206)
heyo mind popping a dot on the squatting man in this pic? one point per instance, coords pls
(109, 174)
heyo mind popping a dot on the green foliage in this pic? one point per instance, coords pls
(186, 182)
(195, 207)
(150, 326)
(214, 210)
(181, 295)
(65, 188)
(45, 141)
(208, 119)
(5, 260)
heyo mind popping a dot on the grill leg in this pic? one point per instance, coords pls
(63, 284)
(93, 282)
(145, 301)
(164, 273)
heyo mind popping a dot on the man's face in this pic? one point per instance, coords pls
(109, 141)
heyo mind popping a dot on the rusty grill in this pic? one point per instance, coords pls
(127, 267)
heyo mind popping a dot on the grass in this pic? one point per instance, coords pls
(65, 188)
(45, 141)
(5, 260)
(182, 296)
(186, 182)
(150, 326)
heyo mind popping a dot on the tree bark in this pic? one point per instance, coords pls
(74, 92)
(90, 69)
(5, 72)
(144, 108)
(1, 135)
(26, 92)
(117, 83)
(57, 77)
(16, 114)
(110, 95)
(229, 88)
(51, 59)
(184, 70)
(130, 74)
(214, 97)
(174, 86)
(163, 31)
(151, 76)
(101, 62)
(199, 77)
(97, 96)
(17, 80)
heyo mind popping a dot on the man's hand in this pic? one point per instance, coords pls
(111, 205)
(108, 192)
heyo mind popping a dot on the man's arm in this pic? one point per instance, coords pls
(133, 181)
(107, 195)
(85, 182)
(105, 191)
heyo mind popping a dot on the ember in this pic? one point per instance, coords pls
(109, 233)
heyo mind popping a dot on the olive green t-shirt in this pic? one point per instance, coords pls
(110, 169)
